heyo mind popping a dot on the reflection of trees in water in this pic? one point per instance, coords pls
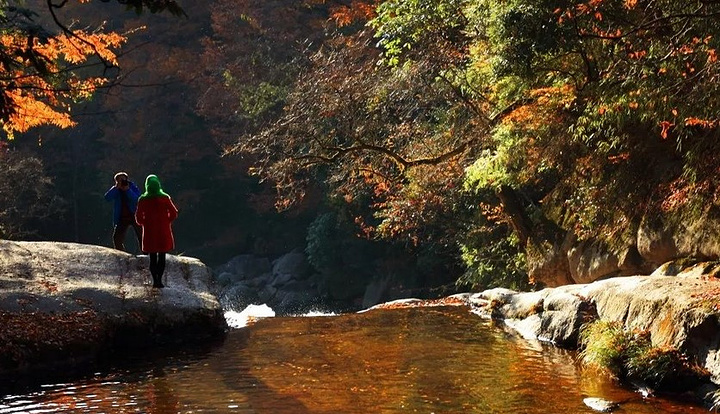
(443, 360)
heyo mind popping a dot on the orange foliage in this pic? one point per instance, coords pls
(703, 123)
(358, 11)
(493, 213)
(665, 127)
(680, 192)
(546, 100)
(77, 48)
(32, 112)
(712, 56)
(39, 84)
(637, 55)
(446, 301)
(617, 159)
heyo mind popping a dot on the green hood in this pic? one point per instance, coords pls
(153, 187)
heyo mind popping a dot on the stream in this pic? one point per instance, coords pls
(411, 360)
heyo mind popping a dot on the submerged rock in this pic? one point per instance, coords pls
(64, 303)
(600, 404)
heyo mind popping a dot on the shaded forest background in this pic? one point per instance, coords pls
(174, 108)
(429, 141)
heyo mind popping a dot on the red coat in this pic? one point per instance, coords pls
(155, 215)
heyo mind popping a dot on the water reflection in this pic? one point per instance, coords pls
(431, 360)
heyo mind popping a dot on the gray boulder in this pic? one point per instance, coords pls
(678, 312)
(237, 297)
(65, 302)
(245, 266)
(553, 315)
(294, 263)
(285, 285)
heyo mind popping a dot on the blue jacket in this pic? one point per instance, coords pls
(114, 194)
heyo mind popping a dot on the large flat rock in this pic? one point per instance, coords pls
(65, 302)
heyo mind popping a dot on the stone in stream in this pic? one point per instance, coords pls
(600, 404)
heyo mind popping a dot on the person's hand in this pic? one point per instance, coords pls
(122, 184)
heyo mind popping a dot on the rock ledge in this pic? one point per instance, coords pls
(65, 303)
(680, 312)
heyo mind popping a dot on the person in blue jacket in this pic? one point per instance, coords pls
(124, 195)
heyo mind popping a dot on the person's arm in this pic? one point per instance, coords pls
(133, 191)
(140, 213)
(111, 193)
(172, 210)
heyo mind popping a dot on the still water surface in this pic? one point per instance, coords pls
(423, 360)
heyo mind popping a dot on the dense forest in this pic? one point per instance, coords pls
(434, 141)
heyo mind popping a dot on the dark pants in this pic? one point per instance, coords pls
(157, 268)
(119, 234)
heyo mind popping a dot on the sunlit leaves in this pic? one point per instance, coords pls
(357, 11)
(41, 75)
(80, 46)
(432, 27)
(44, 69)
(587, 110)
(31, 112)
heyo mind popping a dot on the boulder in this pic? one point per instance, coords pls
(296, 302)
(553, 315)
(294, 264)
(245, 266)
(238, 297)
(656, 243)
(550, 267)
(589, 261)
(228, 279)
(376, 292)
(679, 312)
(61, 303)
(286, 284)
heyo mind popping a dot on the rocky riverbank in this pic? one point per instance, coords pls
(64, 304)
(678, 313)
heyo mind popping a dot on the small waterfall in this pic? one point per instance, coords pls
(251, 312)
(237, 320)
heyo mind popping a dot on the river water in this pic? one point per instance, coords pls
(417, 360)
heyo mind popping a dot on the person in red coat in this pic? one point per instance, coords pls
(155, 214)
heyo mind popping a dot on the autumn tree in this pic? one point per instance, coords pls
(282, 66)
(565, 120)
(621, 108)
(47, 64)
(126, 121)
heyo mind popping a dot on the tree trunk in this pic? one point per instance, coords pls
(518, 216)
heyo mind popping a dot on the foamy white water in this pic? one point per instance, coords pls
(241, 319)
(313, 314)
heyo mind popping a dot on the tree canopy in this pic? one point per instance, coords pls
(514, 124)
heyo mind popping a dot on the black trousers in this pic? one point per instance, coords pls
(157, 267)
(119, 234)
